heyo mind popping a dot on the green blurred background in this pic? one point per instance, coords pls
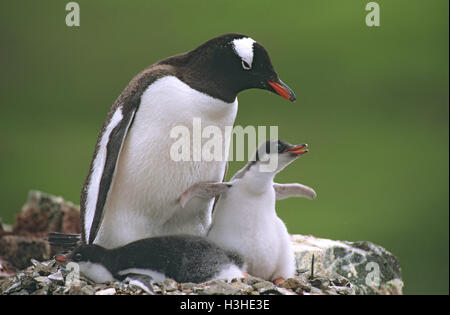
(371, 102)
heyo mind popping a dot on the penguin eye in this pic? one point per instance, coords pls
(78, 257)
(245, 65)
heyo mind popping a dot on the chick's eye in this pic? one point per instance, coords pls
(245, 65)
(78, 257)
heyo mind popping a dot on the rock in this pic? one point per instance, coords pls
(367, 268)
(218, 287)
(243, 287)
(263, 285)
(283, 291)
(57, 277)
(6, 269)
(41, 214)
(45, 213)
(43, 279)
(19, 250)
(13, 288)
(188, 286)
(45, 268)
(290, 283)
(250, 280)
(109, 291)
(170, 285)
(316, 291)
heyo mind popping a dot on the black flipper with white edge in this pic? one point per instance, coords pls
(105, 161)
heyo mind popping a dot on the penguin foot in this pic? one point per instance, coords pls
(277, 281)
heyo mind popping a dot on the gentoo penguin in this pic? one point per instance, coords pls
(133, 184)
(183, 258)
(245, 219)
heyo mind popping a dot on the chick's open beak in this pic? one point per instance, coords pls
(298, 150)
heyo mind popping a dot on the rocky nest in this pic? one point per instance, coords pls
(48, 278)
(324, 267)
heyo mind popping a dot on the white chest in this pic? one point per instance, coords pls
(146, 163)
(143, 200)
(247, 223)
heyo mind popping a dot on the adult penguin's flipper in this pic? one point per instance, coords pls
(103, 167)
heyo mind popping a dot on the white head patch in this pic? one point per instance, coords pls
(244, 49)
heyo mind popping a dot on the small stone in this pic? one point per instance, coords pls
(86, 290)
(343, 290)
(250, 280)
(219, 287)
(243, 287)
(109, 291)
(320, 283)
(284, 291)
(188, 286)
(42, 291)
(290, 283)
(13, 288)
(330, 291)
(303, 284)
(57, 277)
(157, 289)
(315, 291)
(300, 291)
(170, 285)
(42, 279)
(263, 285)
(6, 269)
(70, 290)
(21, 292)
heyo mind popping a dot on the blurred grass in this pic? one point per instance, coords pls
(372, 103)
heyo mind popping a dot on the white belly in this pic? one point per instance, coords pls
(249, 225)
(143, 200)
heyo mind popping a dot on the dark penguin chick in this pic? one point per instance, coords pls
(134, 180)
(183, 258)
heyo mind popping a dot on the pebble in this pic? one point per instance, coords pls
(188, 286)
(16, 286)
(263, 285)
(109, 291)
(170, 285)
(57, 276)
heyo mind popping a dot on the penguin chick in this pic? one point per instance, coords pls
(183, 258)
(245, 219)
